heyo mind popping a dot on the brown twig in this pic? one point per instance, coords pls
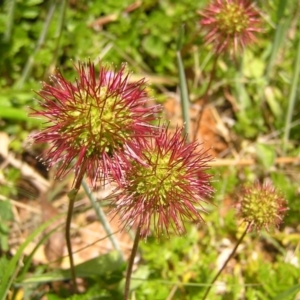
(113, 17)
(250, 161)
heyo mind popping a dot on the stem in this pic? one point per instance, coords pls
(292, 99)
(184, 94)
(40, 42)
(58, 34)
(226, 262)
(130, 263)
(72, 196)
(212, 76)
(102, 218)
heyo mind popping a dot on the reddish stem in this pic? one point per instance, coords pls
(130, 263)
(72, 196)
(227, 260)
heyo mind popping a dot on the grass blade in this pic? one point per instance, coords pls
(292, 98)
(281, 28)
(184, 95)
(11, 4)
(12, 268)
(40, 42)
(102, 218)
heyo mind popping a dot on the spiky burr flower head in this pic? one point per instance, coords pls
(230, 25)
(167, 188)
(91, 119)
(261, 206)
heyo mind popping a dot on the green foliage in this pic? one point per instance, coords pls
(181, 263)
(5, 216)
(272, 279)
(104, 274)
(3, 266)
(289, 188)
(12, 269)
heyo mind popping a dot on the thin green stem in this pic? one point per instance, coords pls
(184, 94)
(58, 34)
(205, 95)
(130, 263)
(102, 218)
(292, 98)
(226, 262)
(279, 35)
(40, 42)
(10, 20)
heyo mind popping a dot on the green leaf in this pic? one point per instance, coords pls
(291, 292)
(265, 154)
(5, 216)
(272, 95)
(253, 67)
(11, 269)
(3, 266)
(139, 276)
(154, 46)
(13, 113)
(99, 266)
(30, 13)
(33, 2)
(5, 211)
